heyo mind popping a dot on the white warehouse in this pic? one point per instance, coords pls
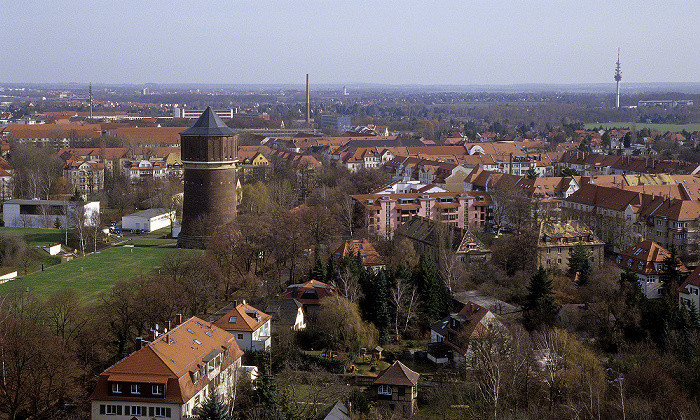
(148, 220)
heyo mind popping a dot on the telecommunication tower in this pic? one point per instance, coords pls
(618, 77)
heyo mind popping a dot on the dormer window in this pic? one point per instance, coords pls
(232, 319)
(116, 388)
(135, 389)
(157, 389)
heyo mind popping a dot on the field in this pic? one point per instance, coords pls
(654, 127)
(35, 236)
(93, 275)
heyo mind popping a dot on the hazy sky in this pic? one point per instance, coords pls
(345, 42)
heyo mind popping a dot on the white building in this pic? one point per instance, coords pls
(170, 376)
(250, 326)
(689, 291)
(196, 113)
(148, 220)
(45, 213)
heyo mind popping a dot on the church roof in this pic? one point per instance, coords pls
(209, 124)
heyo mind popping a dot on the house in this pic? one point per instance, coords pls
(309, 294)
(689, 292)
(557, 240)
(85, 176)
(397, 388)
(250, 326)
(362, 247)
(45, 213)
(148, 220)
(289, 313)
(647, 260)
(169, 376)
(450, 338)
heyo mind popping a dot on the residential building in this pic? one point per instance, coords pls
(143, 170)
(397, 388)
(309, 294)
(85, 177)
(557, 240)
(170, 376)
(384, 213)
(451, 337)
(148, 220)
(45, 213)
(252, 166)
(689, 292)
(288, 313)
(251, 327)
(362, 247)
(647, 260)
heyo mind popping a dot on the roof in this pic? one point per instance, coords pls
(572, 229)
(646, 253)
(397, 374)
(468, 326)
(209, 124)
(242, 317)
(309, 293)
(149, 213)
(471, 245)
(171, 359)
(692, 279)
(369, 255)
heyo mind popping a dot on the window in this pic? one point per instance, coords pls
(135, 389)
(116, 388)
(559, 250)
(111, 409)
(240, 336)
(134, 410)
(162, 411)
(384, 390)
(157, 389)
(402, 391)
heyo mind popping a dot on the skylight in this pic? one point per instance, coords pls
(190, 331)
(197, 341)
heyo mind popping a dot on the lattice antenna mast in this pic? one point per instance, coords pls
(618, 77)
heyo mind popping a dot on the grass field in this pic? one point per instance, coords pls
(93, 275)
(654, 127)
(35, 236)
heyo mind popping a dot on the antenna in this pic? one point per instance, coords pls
(308, 102)
(90, 98)
(618, 77)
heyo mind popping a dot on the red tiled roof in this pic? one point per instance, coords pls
(397, 374)
(242, 318)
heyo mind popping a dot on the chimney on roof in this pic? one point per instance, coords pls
(139, 343)
(178, 319)
(167, 326)
(152, 335)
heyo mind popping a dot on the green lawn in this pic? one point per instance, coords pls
(93, 275)
(654, 127)
(35, 236)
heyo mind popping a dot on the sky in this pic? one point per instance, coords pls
(439, 42)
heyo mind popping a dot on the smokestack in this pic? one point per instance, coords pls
(308, 102)
(152, 335)
(178, 319)
(167, 326)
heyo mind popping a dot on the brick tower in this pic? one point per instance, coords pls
(209, 155)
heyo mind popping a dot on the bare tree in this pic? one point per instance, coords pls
(403, 297)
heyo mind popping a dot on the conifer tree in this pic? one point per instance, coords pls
(579, 254)
(540, 308)
(585, 272)
(318, 272)
(434, 295)
(381, 304)
(213, 409)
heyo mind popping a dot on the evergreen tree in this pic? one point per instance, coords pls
(672, 276)
(318, 272)
(434, 295)
(266, 392)
(332, 270)
(531, 173)
(213, 409)
(579, 253)
(585, 272)
(382, 316)
(540, 308)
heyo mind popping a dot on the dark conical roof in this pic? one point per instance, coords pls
(209, 124)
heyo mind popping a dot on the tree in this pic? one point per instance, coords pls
(531, 173)
(579, 254)
(435, 298)
(340, 320)
(213, 408)
(540, 308)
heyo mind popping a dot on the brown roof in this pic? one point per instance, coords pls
(646, 253)
(171, 359)
(369, 255)
(693, 278)
(397, 374)
(242, 318)
(309, 293)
